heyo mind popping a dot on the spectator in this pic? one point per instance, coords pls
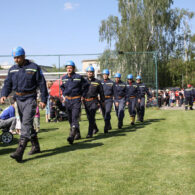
(47, 110)
(8, 119)
(37, 119)
(172, 98)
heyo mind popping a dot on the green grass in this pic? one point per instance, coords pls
(157, 157)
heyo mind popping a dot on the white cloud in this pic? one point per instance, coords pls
(70, 6)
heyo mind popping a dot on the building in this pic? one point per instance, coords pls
(91, 62)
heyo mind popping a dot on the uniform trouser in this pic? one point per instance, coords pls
(141, 108)
(8, 123)
(73, 108)
(107, 109)
(91, 108)
(27, 110)
(132, 106)
(188, 101)
(120, 109)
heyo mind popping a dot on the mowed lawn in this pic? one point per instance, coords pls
(157, 157)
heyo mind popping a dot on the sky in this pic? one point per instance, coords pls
(58, 27)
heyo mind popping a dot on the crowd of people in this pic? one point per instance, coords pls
(76, 91)
(176, 97)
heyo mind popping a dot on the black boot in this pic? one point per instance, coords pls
(18, 154)
(95, 131)
(120, 125)
(78, 135)
(70, 139)
(35, 146)
(90, 133)
(106, 127)
(109, 126)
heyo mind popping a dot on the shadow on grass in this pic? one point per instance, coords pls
(6, 151)
(64, 149)
(47, 130)
(125, 129)
(86, 144)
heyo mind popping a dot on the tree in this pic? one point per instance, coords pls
(144, 25)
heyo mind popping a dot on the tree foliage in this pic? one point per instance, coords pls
(145, 25)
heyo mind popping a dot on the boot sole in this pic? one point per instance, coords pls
(15, 158)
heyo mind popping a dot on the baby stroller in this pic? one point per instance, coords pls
(57, 110)
(6, 137)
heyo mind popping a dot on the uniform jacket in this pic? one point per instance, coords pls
(132, 90)
(108, 86)
(75, 85)
(95, 89)
(26, 78)
(119, 90)
(143, 90)
(188, 92)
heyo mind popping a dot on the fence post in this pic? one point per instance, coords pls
(156, 72)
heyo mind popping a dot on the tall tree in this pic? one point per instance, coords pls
(144, 25)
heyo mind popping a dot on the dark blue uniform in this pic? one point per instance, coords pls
(120, 97)
(73, 88)
(91, 103)
(106, 109)
(143, 90)
(25, 80)
(188, 93)
(131, 97)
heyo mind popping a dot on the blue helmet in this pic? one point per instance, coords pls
(18, 51)
(106, 71)
(117, 75)
(70, 63)
(90, 69)
(138, 77)
(129, 76)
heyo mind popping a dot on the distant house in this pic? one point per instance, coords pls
(91, 62)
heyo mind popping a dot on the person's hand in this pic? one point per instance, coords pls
(2, 100)
(42, 105)
(116, 104)
(150, 99)
(63, 99)
(138, 100)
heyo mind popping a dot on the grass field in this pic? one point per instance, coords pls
(157, 157)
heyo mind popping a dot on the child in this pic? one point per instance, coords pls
(37, 120)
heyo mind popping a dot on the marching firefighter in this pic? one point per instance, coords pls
(188, 93)
(119, 98)
(141, 104)
(24, 78)
(73, 87)
(91, 100)
(108, 93)
(132, 96)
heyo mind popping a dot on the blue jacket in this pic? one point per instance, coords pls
(132, 90)
(95, 89)
(75, 85)
(119, 90)
(143, 90)
(27, 78)
(9, 112)
(188, 92)
(108, 87)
